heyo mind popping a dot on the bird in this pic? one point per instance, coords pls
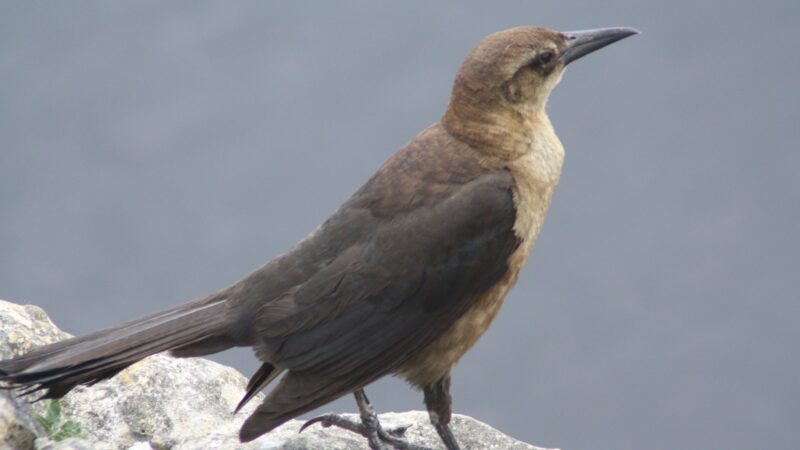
(402, 279)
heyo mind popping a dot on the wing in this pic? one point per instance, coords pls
(387, 296)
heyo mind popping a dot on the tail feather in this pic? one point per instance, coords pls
(263, 376)
(59, 367)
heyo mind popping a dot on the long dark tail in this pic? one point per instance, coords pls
(59, 367)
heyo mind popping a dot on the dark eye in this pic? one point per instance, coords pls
(545, 57)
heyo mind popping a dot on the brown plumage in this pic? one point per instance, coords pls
(402, 279)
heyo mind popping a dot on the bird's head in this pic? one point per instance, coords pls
(507, 78)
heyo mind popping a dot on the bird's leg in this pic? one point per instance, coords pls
(438, 402)
(370, 426)
(369, 419)
(375, 432)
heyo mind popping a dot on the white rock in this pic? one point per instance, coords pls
(17, 429)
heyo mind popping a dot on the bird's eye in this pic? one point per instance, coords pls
(545, 57)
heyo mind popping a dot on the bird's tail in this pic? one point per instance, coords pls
(59, 367)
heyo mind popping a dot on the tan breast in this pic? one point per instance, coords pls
(536, 175)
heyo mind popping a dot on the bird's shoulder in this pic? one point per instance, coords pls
(417, 180)
(431, 167)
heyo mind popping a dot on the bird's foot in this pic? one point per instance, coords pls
(379, 439)
(369, 427)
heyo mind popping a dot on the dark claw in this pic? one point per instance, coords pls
(329, 420)
(311, 422)
(397, 432)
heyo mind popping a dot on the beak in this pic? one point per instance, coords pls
(581, 43)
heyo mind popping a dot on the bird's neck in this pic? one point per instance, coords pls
(503, 132)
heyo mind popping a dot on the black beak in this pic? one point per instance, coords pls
(581, 43)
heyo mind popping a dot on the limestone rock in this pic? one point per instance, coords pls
(74, 443)
(17, 429)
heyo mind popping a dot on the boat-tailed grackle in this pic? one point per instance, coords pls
(402, 279)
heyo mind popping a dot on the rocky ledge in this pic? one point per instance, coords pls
(169, 403)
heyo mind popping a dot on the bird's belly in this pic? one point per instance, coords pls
(532, 194)
(438, 358)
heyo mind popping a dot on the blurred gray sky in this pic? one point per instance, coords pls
(151, 152)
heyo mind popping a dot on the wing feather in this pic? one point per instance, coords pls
(397, 289)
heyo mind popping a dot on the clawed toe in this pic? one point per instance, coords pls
(378, 437)
(369, 427)
(330, 420)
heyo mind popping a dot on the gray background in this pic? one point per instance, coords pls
(151, 152)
